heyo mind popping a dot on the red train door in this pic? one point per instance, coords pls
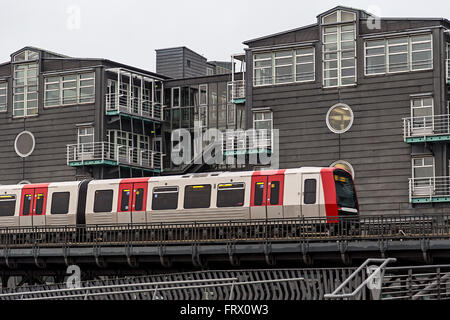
(267, 196)
(275, 191)
(33, 205)
(132, 201)
(258, 209)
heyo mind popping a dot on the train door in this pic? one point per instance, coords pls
(310, 195)
(33, 206)
(132, 202)
(267, 197)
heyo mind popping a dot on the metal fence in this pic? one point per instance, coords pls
(433, 187)
(425, 126)
(137, 106)
(237, 89)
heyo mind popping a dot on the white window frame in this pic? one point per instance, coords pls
(409, 54)
(27, 54)
(422, 99)
(172, 97)
(283, 65)
(366, 56)
(294, 64)
(351, 118)
(4, 86)
(423, 166)
(344, 163)
(61, 89)
(26, 91)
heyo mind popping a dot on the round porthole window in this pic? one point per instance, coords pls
(340, 118)
(343, 165)
(24, 144)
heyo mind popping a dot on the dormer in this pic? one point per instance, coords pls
(25, 55)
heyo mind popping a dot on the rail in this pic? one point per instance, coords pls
(104, 152)
(334, 229)
(429, 188)
(135, 106)
(376, 273)
(237, 90)
(426, 126)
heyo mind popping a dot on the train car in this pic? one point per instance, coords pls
(225, 196)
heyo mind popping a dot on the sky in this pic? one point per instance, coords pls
(129, 31)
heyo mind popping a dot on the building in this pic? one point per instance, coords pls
(353, 90)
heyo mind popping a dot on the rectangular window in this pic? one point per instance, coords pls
(7, 205)
(103, 201)
(275, 192)
(262, 123)
(262, 66)
(284, 67)
(423, 167)
(203, 94)
(231, 114)
(230, 195)
(27, 198)
(40, 199)
(304, 64)
(197, 197)
(165, 198)
(70, 89)
(60, 203)
(125, 200)
(401, 54)
(176, 97)
(25, 92)
(259, 193)
(3, 96)
(139, 200)
(422, 114)
(309, 192)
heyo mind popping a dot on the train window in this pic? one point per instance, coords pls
(230, 195)
(275, 192)
(26, 204)
(310, 191)
(125, 200)
(259, 193)
(197, 197)
(165, 198)
(60, 203)
(139, 200)
(7, 206)
(103, 200)
(40, 197)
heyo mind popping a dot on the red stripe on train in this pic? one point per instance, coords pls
(329, 192)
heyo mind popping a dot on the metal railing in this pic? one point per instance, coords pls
(85, 153)
(371, 228)
(436, 125)
(250, 141)
(448, 70)
(137, 106)
(375, 279)
(237, 89)
(432, 187)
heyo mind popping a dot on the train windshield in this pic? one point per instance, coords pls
(345, 192)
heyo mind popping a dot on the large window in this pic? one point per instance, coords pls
(7, 205)
(197, 197)
(422, 114)
(294, 65)
(230, 195)
(70, 89)
(400, 54)
(60, 203)
(339, 55)
(165, 198)
(25, 90)
(423, 167)
(3, 96)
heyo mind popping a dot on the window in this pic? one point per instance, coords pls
(203, 94)
(275, 192)
(25, 90)
(339, 55)
(230, 195)
(231, 114)
(3, 96)
(423, 167)
(309, 192)
(197, 197)
(60, 203)
(26, 56)
(139, 200)
(422, 114)
(24, 144)
(70, 89)
(103, 201)
(176, 97)
(259, 193)
(340, 118)
(86, 139)
(401, 54)
(125, 200)
(343, 165)
(339, 16)
(40, 199)
(289, 66)
(7, 205)
(26, 202)
(165, 198)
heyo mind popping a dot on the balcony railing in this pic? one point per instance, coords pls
(427, 128)
(237, 90)
(134, 106)
(433, 189)
(98, 153)
(247, 142)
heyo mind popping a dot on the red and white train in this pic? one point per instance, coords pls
(291, 193)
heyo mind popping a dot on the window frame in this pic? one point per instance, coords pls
(422, 158)
(193, 186)
(242, 187)
(315, 191)
(4, 107)
(167, 187)
(78, 87)
(14, 198)
(25, 87)
(111, 203)
(351, 119)
(52, 202)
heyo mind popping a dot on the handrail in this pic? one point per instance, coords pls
(336, 295)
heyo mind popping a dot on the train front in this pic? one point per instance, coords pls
(346, 199)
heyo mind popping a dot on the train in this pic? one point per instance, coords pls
(217, 196)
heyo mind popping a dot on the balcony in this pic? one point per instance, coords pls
(427, 129)
(237, 91)
(133, 107)
(426, 190)
(104, 153)
(247, 142)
